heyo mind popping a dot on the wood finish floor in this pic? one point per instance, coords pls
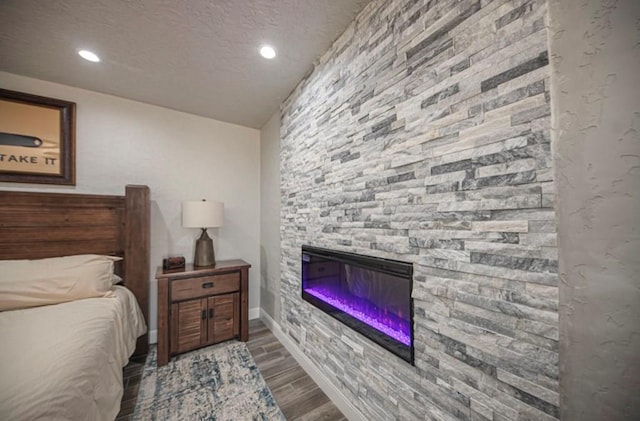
(132, 374)
(298, 396)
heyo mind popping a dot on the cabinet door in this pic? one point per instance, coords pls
(224, 317)
(188, 325)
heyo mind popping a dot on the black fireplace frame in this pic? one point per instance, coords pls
(388, 266)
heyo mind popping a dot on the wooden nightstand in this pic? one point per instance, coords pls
(201, 306)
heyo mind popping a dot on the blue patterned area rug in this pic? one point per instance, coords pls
(220, 382)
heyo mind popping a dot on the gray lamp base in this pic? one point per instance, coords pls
(204, 254)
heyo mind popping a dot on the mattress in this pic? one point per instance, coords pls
(64, 361)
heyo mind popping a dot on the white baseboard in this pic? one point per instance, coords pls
(335, 394)
(153, 336)
(268, 321)
(254, 313)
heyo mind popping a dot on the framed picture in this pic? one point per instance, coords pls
(37, 139)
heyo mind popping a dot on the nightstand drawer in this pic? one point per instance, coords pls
(185, 289)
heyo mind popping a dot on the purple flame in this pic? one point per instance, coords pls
(387, 323)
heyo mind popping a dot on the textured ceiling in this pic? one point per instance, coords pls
(197, 56)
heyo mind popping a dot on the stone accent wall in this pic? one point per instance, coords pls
(423, 135)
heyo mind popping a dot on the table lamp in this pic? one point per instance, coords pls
(203, 215)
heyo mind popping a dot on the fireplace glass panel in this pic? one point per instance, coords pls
(370, 295)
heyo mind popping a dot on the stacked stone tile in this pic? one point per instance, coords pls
(423, 135)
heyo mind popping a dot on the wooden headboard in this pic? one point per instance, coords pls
(39, 225)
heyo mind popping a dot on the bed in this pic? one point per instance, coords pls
(65, 360)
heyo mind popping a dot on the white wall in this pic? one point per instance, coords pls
(596, 119)
(179, 156)
(270, 217)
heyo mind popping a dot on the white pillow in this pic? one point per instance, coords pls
(30, 283)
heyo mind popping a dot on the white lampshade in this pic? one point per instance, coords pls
(202, 214)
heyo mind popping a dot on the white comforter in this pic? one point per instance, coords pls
(64, 361)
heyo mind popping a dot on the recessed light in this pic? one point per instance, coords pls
(88, 55)
(267, 52)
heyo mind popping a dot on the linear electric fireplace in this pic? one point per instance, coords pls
(369, 294)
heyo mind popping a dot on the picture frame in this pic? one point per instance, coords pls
(37, 139)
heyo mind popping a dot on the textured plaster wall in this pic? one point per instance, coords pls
(595, 57)
(270, 217)
(179, 156)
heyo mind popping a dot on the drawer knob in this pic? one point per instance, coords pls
(204, 314)
(207, 285)
(211, 313)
